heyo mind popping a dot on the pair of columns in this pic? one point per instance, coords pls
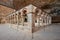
(12, 18)
(46, 20)
(43, 19)
(15, 19)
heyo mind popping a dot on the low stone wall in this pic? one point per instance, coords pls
(21, 27)
(56, 19)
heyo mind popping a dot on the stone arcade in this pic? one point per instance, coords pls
(28, 19)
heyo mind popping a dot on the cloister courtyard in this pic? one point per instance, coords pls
(29, 20)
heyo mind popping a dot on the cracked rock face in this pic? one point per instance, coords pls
(8, 3)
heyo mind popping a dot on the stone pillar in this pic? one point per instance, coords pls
(38, 20)
(22, 17)
(42, 19)
(45, 19)
(29, 19)
(10, 19)
(6, 19)
(17, 19)
(14, 18)
(50, 20)
(19, 16)
(33, 22)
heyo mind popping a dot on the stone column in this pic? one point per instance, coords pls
(22, 17)
(14, 19)
(33, 22)
(17, 19)
(7, 20)
(50, 20)
(42, 19)
(29, 19)
(38, 20)
(47, 20)
(10, 19)
(19, 16)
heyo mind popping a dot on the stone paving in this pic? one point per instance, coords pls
(51, 32)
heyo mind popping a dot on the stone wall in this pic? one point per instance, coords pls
(56, 19)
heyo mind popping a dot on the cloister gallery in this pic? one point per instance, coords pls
(29, 18)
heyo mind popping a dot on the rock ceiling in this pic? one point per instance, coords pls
(21, 3)
(8, 6)
(5, 10)
(8, 3)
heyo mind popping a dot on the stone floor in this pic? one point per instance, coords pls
(51, 32)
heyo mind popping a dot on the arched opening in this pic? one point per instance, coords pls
(25, 15)
(25, 20)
